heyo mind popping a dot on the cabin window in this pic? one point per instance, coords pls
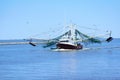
(64, 41)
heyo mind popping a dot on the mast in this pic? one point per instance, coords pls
(72, 29)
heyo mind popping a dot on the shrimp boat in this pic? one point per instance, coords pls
(73, 39)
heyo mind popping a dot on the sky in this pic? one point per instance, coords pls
(21, 19)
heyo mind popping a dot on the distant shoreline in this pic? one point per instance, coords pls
(15, 43)
(21, 41)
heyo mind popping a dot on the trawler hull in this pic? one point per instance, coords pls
(68, 46)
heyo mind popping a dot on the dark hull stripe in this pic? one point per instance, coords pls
(67, 46)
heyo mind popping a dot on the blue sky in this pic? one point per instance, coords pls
(20, 19)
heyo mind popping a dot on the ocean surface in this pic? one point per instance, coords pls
(94, 62)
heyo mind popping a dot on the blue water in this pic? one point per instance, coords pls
(25, 62)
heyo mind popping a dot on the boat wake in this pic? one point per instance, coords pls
(69, 50)
(85, 49)
(106, 47)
